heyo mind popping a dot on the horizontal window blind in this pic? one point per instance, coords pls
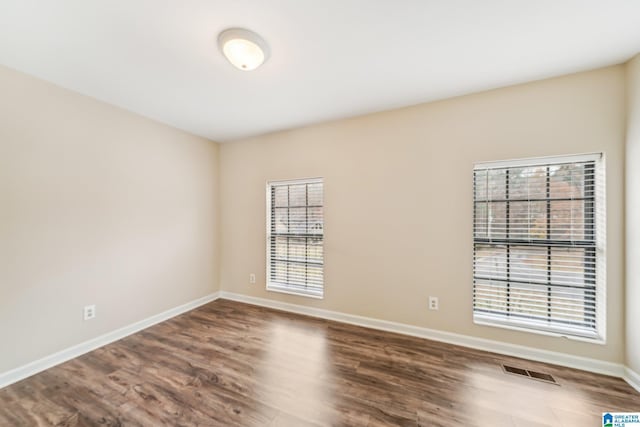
(538, 245)
(295, 253)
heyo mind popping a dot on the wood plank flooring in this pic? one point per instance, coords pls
(233, 364)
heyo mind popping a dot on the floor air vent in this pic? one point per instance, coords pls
(529, 374)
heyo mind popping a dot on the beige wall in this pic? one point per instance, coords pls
(632, 296)
(398, 199)
(101, 206)
(97, 206)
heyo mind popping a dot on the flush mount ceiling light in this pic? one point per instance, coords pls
(243, 48)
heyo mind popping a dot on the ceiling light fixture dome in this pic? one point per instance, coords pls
(243, 48)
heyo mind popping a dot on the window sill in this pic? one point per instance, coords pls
(284, 289)
(522, 327)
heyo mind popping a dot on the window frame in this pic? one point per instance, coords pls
(598, 334)
(286, 288)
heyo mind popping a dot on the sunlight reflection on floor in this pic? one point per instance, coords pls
(295, 364)
(540, 404)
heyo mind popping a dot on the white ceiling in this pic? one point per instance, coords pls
(329, 59)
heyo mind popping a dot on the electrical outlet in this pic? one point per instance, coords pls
(433, 303)
(89, 312)
(252, 278)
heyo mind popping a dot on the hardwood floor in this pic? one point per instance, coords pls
(232, 364)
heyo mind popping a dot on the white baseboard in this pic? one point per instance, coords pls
(47, 362)
(562, 359)
(633, 378)
(577, 362)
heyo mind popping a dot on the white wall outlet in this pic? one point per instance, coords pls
(89, 312)
(433, 303)
(252, 278)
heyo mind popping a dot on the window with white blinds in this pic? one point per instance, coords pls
(295, 237)
(539, 245)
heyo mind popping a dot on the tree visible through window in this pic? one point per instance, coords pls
(295, 254)
(538, 244)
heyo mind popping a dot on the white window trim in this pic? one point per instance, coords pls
(599, 336)
(536, 161)
(279, 287)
